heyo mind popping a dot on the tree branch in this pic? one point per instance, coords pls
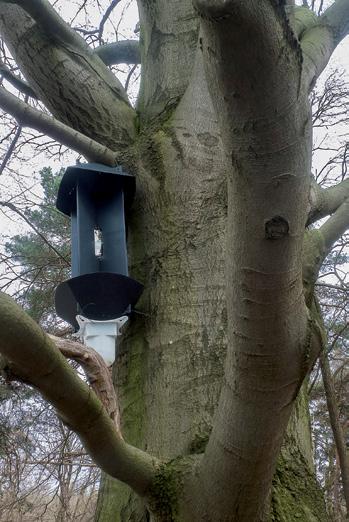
(73, 82)
(105, 17)
(97, 372)
(253, 68)
(303, 19)
(29, 117)
(45, 15)
(16, 81)
(320, 40)
(335, 226)
(33, 358)
(336, 18)
(10, 150)
(251, 82)
(326, 201)
(318, 244)
(54, 26)
(125, 51)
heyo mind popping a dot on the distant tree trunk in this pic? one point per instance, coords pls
(342, 460)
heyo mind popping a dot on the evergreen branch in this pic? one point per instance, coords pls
(33, 358)
(125, 51)
(12, 207)
(29, 117)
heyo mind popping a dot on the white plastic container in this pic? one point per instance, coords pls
(101, 335)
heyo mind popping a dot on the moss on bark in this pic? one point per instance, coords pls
(296, 494)
(116, 501)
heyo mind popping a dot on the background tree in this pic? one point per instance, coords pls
(37, 260)
(211, 437)
(45, 473)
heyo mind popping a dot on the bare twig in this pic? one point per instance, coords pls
(10, 150)
(105, 17)
(129, 76)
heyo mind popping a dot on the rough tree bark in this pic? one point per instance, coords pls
(227, 329)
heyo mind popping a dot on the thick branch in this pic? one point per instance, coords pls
(169, 44)
(45, 15)
(326, 201)
(319, 42)
(337, 430)
(318, 244)
(97, 372)
(335, 226)
(303, 18)
(55, 27)
(16, 81)
(69, 78)
(125, 51)
(30, 117)
(34, 359)
(251, 78)
(336, 18)
(264, 117)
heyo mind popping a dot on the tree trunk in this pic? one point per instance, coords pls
(170, 365)
(295, 494)
(224, 334)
